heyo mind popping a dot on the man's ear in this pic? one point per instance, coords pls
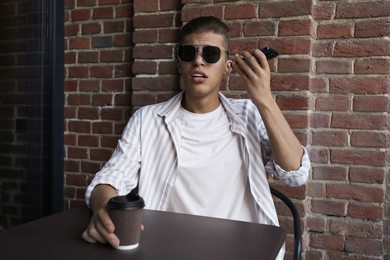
(229, 66)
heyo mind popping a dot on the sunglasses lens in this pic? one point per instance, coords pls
(211, 54)
(186, 53)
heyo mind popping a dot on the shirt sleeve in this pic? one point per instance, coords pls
(122, 170)
(297, 177)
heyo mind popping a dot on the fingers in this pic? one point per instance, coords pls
(101, 229)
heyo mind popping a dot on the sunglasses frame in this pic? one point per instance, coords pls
(201, 48)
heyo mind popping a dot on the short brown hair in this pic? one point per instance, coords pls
(205, 24)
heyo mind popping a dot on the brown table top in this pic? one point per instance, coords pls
(166, 236)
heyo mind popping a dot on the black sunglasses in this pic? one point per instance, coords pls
(211, 54)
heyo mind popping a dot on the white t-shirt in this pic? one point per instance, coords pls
(211, 179)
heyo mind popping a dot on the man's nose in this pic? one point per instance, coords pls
(198, 58)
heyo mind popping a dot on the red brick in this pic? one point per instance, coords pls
(141, 6)
(90, 28)
(326, 241)
(153, 52)
(122, 40)
(351, 120)
(356, 228)
(323, 10)
(79, 43)
(371, 103)
(364, 246)
(334, 30)
(103, 13)
(102, 99)
(109, 141)
(332, 103)
(80, 15)
(125, 11)
(102, 128)
(88, 57)
(365, 211)
(111, 56)
(358, 157)
(315, 189)
(293, 102)
(315, 223)
(333, 173)
(79, 99)
(289, 82)
(71, 29)
(88, 140)
(109, 2)
(362, 9)
(122, 99)
(112, 114)
(89, 85)
(84, 3)
(294, 65)
(259, 28)
(145, 36)
(122, 71)
(100, 154)
(77, 153)
(79, 126)
(359, 85)
(329, 207)
(368, 139)
(333, 67)
(69, 58)
(101, 71)
(374, 28)
(88, 113)
(240, 11)
(153, 21)
(372, 66)
(290, 45)
(285, 9)
(295, 27)
(114, 26)
(147, 67)
(189, 13)
(362, 48)
(90, 167)
(355, 192)
(368, 175)
(116, 85)
(75, 180)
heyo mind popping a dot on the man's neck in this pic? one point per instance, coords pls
(200, 105)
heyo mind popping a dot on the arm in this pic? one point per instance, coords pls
(101, 228)
(286, 148)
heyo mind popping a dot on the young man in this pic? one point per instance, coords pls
(201, 153)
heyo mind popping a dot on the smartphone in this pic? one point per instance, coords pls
(269, 53)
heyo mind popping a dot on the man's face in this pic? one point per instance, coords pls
(200, 79)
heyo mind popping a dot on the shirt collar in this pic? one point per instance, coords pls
(171, 110)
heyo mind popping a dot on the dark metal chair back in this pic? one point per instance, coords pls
(297, 222)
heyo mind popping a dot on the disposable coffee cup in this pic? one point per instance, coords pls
(126, 214)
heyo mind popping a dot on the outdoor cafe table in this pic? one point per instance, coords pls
(167, 236)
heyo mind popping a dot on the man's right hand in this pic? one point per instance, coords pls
(101, 229)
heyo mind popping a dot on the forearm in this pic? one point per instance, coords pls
(286, 149)
(101, 194)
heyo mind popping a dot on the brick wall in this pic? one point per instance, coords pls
(331, 81)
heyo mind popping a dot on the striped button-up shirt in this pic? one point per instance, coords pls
(148, 153)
